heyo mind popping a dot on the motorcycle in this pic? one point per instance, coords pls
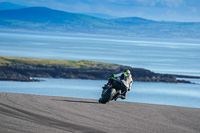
(108, 94)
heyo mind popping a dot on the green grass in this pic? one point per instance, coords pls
(50, 62)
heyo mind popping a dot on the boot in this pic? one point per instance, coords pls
(122, 96)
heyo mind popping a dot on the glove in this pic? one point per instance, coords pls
(129, 89)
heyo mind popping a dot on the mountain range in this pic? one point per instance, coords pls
(48, 20)
(8, 6)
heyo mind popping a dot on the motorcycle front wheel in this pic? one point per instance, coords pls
(107, 96)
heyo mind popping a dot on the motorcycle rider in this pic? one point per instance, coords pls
(122, 81)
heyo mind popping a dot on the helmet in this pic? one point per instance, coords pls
(127, 71)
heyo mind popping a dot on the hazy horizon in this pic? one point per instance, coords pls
(160, 10)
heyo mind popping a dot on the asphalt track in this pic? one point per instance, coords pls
(23, 113)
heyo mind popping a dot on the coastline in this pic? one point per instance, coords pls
(23, 69)
(21, 113)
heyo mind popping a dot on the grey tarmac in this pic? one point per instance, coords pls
(25, 113)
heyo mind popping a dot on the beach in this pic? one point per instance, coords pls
(22, 113)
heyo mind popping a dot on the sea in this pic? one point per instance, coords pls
(166, 56)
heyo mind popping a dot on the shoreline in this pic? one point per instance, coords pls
(50, 114)
(23, 69)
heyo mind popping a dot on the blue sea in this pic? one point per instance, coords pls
(157, 55)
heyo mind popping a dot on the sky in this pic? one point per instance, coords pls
(161, 10)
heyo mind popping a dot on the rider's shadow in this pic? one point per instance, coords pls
(75, 101)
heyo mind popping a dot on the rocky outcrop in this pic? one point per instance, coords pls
(24, 72)
(11, 74)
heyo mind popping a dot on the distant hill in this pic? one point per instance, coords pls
(100, 15)
(8, 6)
(42, 18)
(45, 19)
(46, 15)
(132, 20)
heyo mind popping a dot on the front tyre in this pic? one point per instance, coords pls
(107, 96)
